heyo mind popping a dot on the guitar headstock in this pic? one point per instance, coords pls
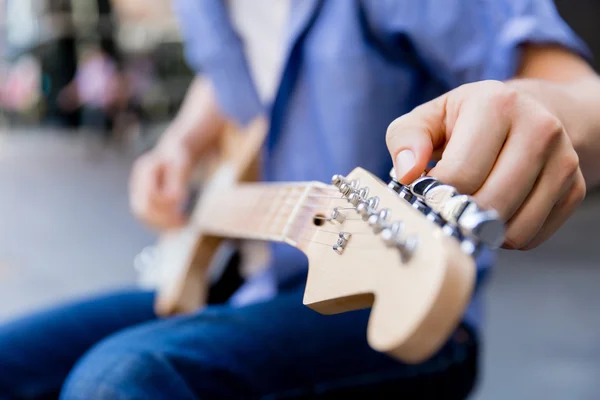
(406, 251)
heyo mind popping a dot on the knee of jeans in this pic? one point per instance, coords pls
(118, 373)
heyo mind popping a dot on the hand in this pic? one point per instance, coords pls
(495, 141)
(159, 185)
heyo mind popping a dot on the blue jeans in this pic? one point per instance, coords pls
(114, 347)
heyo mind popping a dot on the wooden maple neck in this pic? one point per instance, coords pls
(266, 211)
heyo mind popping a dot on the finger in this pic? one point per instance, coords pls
(554, 182)
(143, 184)
(176, 179)
(560, 213)
(164, 219)
(514, 174)
(411, 139)
(473, 145)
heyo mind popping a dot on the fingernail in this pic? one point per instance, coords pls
(405, 161)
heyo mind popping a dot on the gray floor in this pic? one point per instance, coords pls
(66, 231)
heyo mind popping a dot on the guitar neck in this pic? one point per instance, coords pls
(278, 212)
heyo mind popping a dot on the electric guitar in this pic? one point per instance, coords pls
(407, 252)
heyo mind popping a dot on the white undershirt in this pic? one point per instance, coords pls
(262, 25)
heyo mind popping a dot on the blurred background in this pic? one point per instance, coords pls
(86, 85)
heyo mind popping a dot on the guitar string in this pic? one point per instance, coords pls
(276, 212)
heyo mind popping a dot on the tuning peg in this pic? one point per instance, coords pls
(393, 174)
(395, 186)
(454, 207)
(435, 218)
(363, 210)
(420, 206)
(390, 234)
(407, 247)
(378, 221)
(373, 202)
(337, 180)
(422, 185)
(437, 196)
(483, 225)
(354, 199)
(450, 229)
(363, 193)
(346, 189)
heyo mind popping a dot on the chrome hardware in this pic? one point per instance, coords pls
(483, 225)
(407, 248)
(452, 209)
(393, 174)
(341, 243)
(373, 202)
(354, 199)
(363, 193)
(337, 180)
(378, 221)
(469, 247)
(395, 186)
(437, 196)
(406, 194)
(390, 235)
(451, 230)
(345, 189)
(354, 184)
(435, 218)
(422, 185)
(337, 216)
(420, 206)
(363, 210)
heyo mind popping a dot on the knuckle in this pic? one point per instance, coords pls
(501, 96)
(579, 190)
(569, 165)
(547, 128)
(516, 239)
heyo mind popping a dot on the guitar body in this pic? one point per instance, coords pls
(185, 256)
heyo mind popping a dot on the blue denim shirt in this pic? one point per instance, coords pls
(352, 67)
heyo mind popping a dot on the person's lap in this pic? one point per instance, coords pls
(272, 350)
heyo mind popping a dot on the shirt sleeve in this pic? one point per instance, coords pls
(463, 41)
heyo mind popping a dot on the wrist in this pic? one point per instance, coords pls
(575, 105)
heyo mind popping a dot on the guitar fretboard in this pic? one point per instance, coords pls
(263, 211)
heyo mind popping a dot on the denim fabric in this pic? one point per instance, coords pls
(113, 347)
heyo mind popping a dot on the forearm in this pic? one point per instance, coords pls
(198, 121)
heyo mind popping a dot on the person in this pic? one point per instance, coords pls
(498, 93)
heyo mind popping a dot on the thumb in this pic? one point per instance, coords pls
(412, 138)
